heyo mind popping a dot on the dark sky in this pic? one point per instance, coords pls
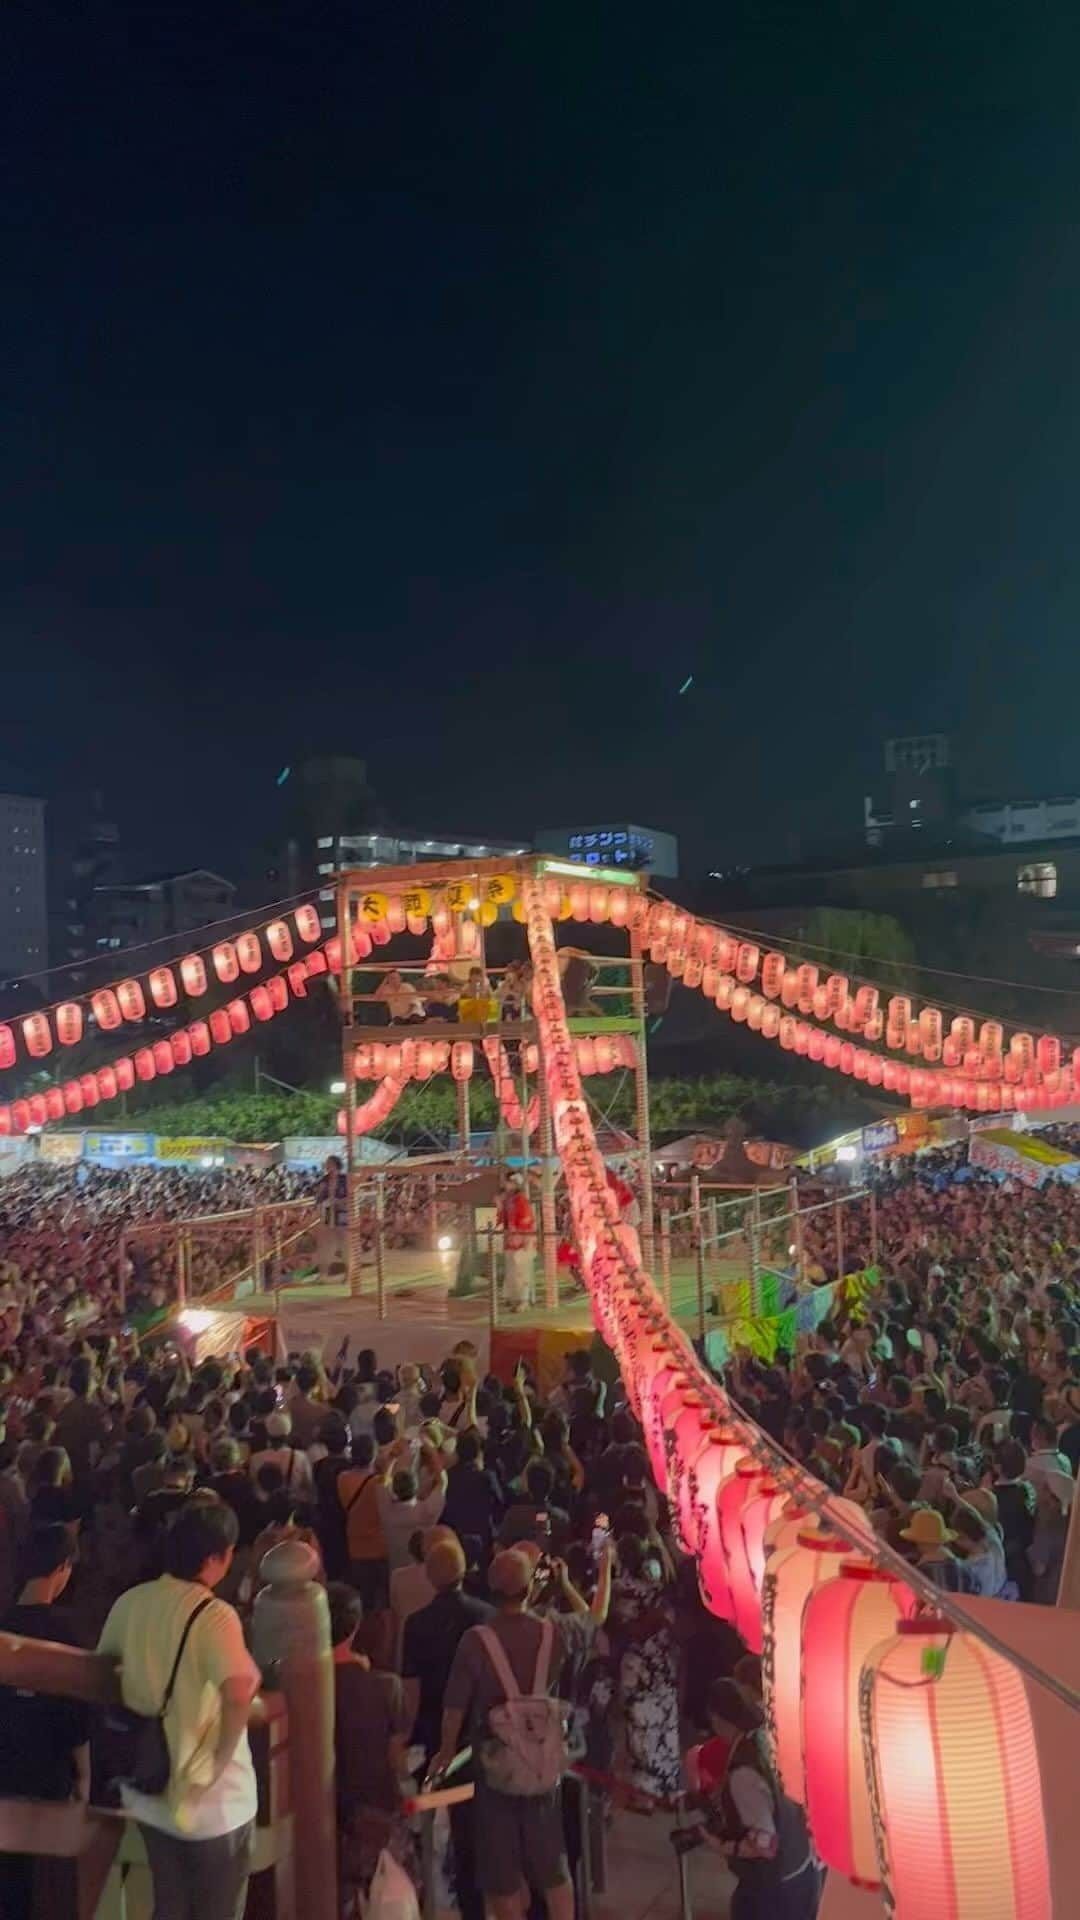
(444, 381)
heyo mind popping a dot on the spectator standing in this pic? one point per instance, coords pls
(358, 1496)
(199, 1833)
(474, 1498)
(370, 1726)
(523, 1836)
(44, 1740)
(82, 1427)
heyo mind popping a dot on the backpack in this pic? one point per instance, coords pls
(526, 1753)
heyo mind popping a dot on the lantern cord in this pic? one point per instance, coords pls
(164, 939)
(789, 1474)
(769, 940)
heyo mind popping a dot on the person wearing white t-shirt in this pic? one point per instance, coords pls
(199, 1834)
(293, 1462)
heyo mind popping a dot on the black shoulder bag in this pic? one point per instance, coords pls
(149, 1763)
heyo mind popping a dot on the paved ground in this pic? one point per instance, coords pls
(423, 1292)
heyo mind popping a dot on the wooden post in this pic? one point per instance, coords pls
(800, 1253)
(464, 1135)
(699, 1264)
(641, 1100)
(712, 1230)
(291, 1632)
(258, 1251)
(492, 1279)
(433, 1212)
(380, 1245)
(665, 1255)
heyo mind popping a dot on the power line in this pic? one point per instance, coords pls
(147, 946)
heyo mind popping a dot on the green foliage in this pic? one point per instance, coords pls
(426, 1114)
(842, 940)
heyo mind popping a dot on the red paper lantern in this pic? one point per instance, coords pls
(278, 988)
(930, 1033)
(7, 1047)
(773, 968)
(461, 1059)
(163, 1056)
(279, 940)
(619, 906)
(37, 1035)
(145, 1066)
(745, 1480)
(842, 1621)
(1048, 1053)
(131, 1000)
(249, 952)
(740, 1003)
(307, 923)
(297, 977)
(790, 1577)
(163, 987)
(766, 1502)
(5, 1120)
(220, 1027)
(261, 1003)
(124, 1068)
(193, 974)
(316, 963)
(199, 1035)
(54, 1103)
(747, 960)
(866, 1004)
(180, 1042)
(239, 1017)
(38, 1111)
(957, 1799)
(833, 1050)
(20, 1115)
(73, 1100)
(806, 981)
(599, 903)
(226, 964)
(106, 1083)
(69, 1023)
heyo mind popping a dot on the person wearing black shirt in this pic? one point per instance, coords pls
(474, 1501)
(431, 1640)
(44, 1740)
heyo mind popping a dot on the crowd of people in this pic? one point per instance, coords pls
(477, 1540)
(69, 1255)
(484, 1544)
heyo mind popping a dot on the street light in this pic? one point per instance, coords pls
(337, 1086)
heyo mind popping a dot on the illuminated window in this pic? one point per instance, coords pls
(935, 881)
(325, 840)
(1039, 879)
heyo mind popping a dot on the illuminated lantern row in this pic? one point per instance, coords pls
(428, 1057)
(111, 1006)
(149, 1063)
(924, 1089)
(956, 1796)
(672, 936)
(377, 1108)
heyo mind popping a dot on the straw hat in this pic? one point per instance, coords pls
(927, 1529)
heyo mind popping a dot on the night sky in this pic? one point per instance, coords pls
(444, 382)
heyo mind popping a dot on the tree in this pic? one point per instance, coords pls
(847, 940)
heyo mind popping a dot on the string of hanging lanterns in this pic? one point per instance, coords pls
(195, 1041)
(976, 1070)
(873, 1814)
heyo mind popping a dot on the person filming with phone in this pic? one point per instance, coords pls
(504, 1693)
